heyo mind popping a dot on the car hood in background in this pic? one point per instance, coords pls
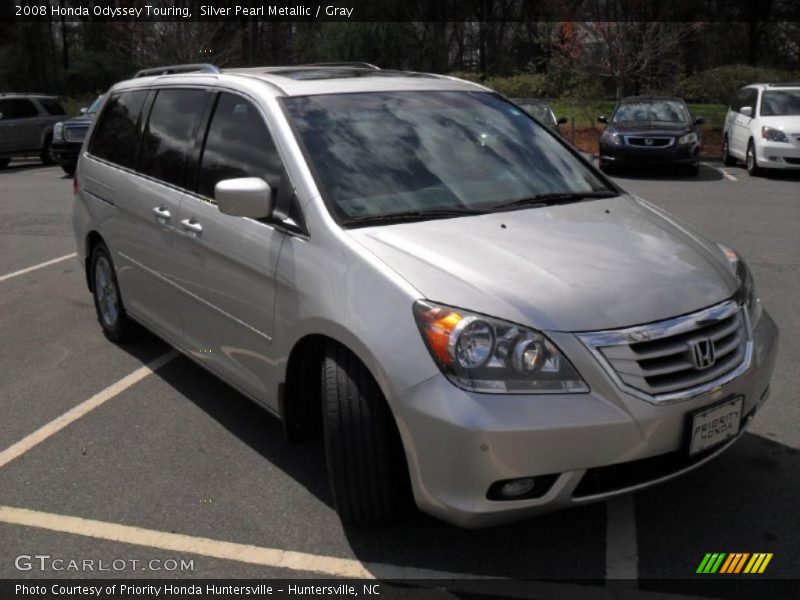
(584, 266)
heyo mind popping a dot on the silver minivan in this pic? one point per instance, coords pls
(471, 315)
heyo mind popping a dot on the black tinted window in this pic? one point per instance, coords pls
(117, 133)
(238, 144)
(52, 106)
(17, 108)
(170, 133)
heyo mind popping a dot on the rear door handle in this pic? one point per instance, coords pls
(192, 225)
(161, 212)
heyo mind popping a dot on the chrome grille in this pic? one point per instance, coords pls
(654, 142)
(677, 358)
(75, 133)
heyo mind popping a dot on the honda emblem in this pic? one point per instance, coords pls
(703, 353)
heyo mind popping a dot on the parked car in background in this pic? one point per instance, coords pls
(541, 111)
(650, 130)
(762, 127)
(461, 305)
(26, 126)
(68, 136)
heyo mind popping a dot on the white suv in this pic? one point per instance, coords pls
(762, 127)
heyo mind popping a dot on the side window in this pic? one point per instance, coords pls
(170, 133)
(116, 136)
(52, 106)
(752, 99)
(18, 108)
(238, 144)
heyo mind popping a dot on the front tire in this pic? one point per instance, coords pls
(47, 159)
(367, 470)
(727, 159)
(69, 168)
(116, 324)
(4, 162)
(750, 162)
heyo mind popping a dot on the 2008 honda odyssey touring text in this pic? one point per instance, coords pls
(472, 316)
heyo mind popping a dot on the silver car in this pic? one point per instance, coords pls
(26, 126)
(469, 313)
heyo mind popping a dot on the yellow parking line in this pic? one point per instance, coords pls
(257, 555)
(72, 415)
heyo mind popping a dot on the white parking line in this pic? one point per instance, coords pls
(723, 172)
(39, 266)
(622, 560)
(315, 563)
(72, 415)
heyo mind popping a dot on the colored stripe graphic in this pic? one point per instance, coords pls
(734, 562)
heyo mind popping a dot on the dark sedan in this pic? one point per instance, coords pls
(651, 131)
(68, 136)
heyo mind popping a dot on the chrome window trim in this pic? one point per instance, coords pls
(594, 340)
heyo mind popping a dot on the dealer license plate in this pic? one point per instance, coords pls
(712, 426)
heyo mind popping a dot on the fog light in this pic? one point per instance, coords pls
(517, 487)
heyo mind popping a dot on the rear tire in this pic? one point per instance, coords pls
(752, 166)
(367, 470)
(116, 324)
(45, 155)
(727, 159)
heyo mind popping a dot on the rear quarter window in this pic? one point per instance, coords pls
(18, 108)
(116, 136)
(52, 106)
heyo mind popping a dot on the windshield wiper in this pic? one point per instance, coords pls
(412, 215)
(553, 198)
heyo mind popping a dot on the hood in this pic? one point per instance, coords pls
(584, 266)
(650, 127)
(82, 120)
(786, 123)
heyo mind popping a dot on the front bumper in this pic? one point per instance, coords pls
(593, 446)
(778, 155)
(623, 154)
(65, 153)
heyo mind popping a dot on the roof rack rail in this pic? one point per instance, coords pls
(363, 65)
(28, 94)
(170, 69)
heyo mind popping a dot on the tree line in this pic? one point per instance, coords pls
(613, 49)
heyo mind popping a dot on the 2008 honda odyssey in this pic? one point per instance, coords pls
(412, 267)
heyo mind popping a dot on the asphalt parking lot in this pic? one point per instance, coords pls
(162, 458)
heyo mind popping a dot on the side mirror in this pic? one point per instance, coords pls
(562, 121)
(602, 119)
(699, 120)
(244, 197)
(747, 111)
(83, 110)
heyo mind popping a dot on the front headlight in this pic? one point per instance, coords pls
(610, 138)
(774, 135)
(484, 354)
(58, 131)
(689, 138)
(746, 294)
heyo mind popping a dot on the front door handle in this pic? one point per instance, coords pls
(161, 212)
(192, 225)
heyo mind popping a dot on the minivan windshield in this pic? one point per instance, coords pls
(663, 111)
(433, 154)
(780, 102)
